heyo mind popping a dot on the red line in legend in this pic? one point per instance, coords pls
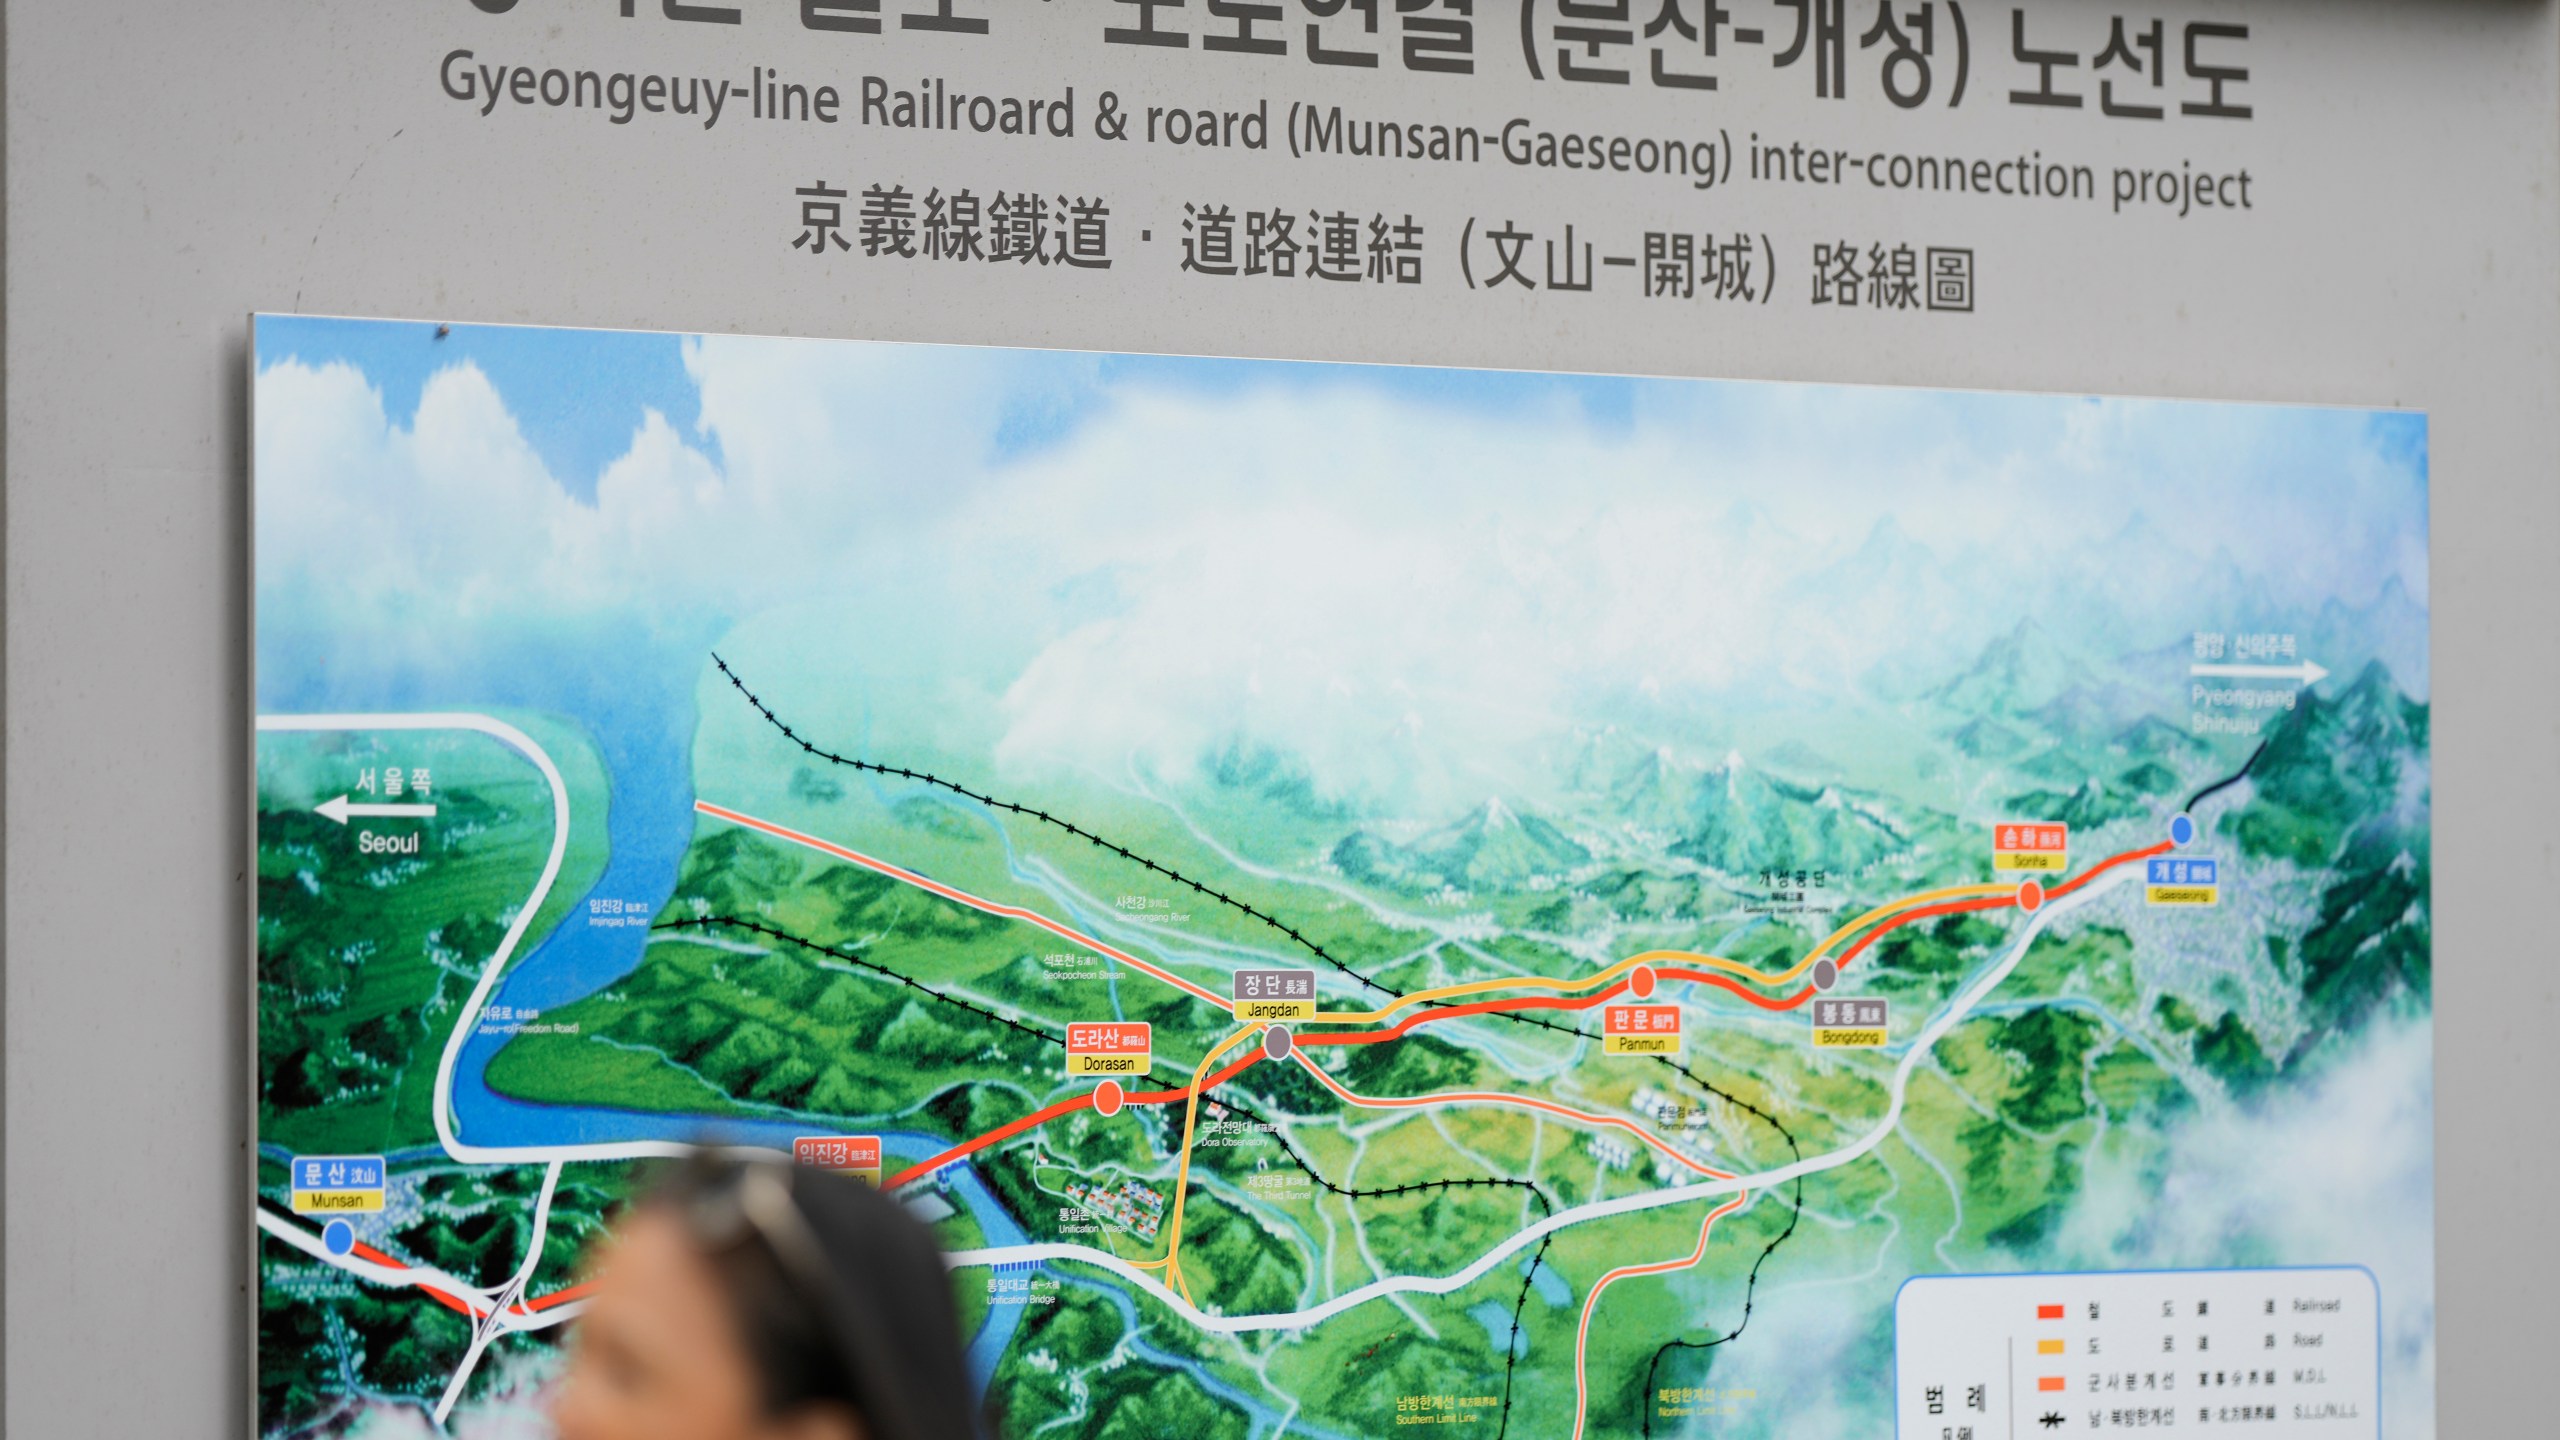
(2003, 1353)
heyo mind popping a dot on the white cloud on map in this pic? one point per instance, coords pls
(1422, 584)
(2339, 1171)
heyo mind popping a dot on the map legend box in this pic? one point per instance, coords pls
(1119, 1048)
(2284, 1353)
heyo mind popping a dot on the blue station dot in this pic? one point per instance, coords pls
(2182, 830)
(339, 1236)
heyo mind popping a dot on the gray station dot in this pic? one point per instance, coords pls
(1276, 1042)
(1825, 974)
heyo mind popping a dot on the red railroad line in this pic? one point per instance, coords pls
(1064, 1108)
(1084, 1101)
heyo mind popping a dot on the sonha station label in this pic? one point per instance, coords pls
(2021, 846)
(1108, 1047)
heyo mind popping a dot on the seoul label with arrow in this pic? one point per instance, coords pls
(343, 809)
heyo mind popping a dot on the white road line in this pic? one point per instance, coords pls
(312, 1245)
(497, 1319)
(513, 1291)
(1936, 1030)
(958, 896)
(419, 1276)
(1497, 1098)
(442, 1103)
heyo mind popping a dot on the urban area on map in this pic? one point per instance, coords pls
(1352, 898)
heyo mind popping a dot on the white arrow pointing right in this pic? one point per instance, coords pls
(2305, 673)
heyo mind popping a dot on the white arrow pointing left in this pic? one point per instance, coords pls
(340, 808)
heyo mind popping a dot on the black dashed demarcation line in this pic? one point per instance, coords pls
(1511, 1352)
(1795, 1215)
(1387, 1191)
(853, 958)
(1752, 1284)
(1349, 1193)
(1044, 1037)
(1312, 948)
(1043, 816)
(1125, 853)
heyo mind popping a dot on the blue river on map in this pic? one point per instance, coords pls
(645, 742)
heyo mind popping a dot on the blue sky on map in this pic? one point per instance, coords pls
(1153, 550)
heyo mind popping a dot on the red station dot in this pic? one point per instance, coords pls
(1640, 984)
(1106, 1097)
(2030, 894)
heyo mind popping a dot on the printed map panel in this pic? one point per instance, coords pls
(1352, 897)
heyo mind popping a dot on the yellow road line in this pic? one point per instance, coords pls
(1190, 1122)
(1478, 987)
(1191, 1105)
(1925, 897)
(1602, 977)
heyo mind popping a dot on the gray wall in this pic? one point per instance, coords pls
(172, 167)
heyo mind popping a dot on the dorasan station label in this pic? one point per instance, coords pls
(1109, 1047)
(2030, 847)
(337, 1184)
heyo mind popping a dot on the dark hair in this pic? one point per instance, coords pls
(849, 1303)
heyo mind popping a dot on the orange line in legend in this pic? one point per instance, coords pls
(2048, 1382)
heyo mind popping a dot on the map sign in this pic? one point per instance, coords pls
(1352, 897)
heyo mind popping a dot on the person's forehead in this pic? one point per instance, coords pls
(652, 1266)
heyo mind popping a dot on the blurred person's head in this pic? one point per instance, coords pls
(759, 1300)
